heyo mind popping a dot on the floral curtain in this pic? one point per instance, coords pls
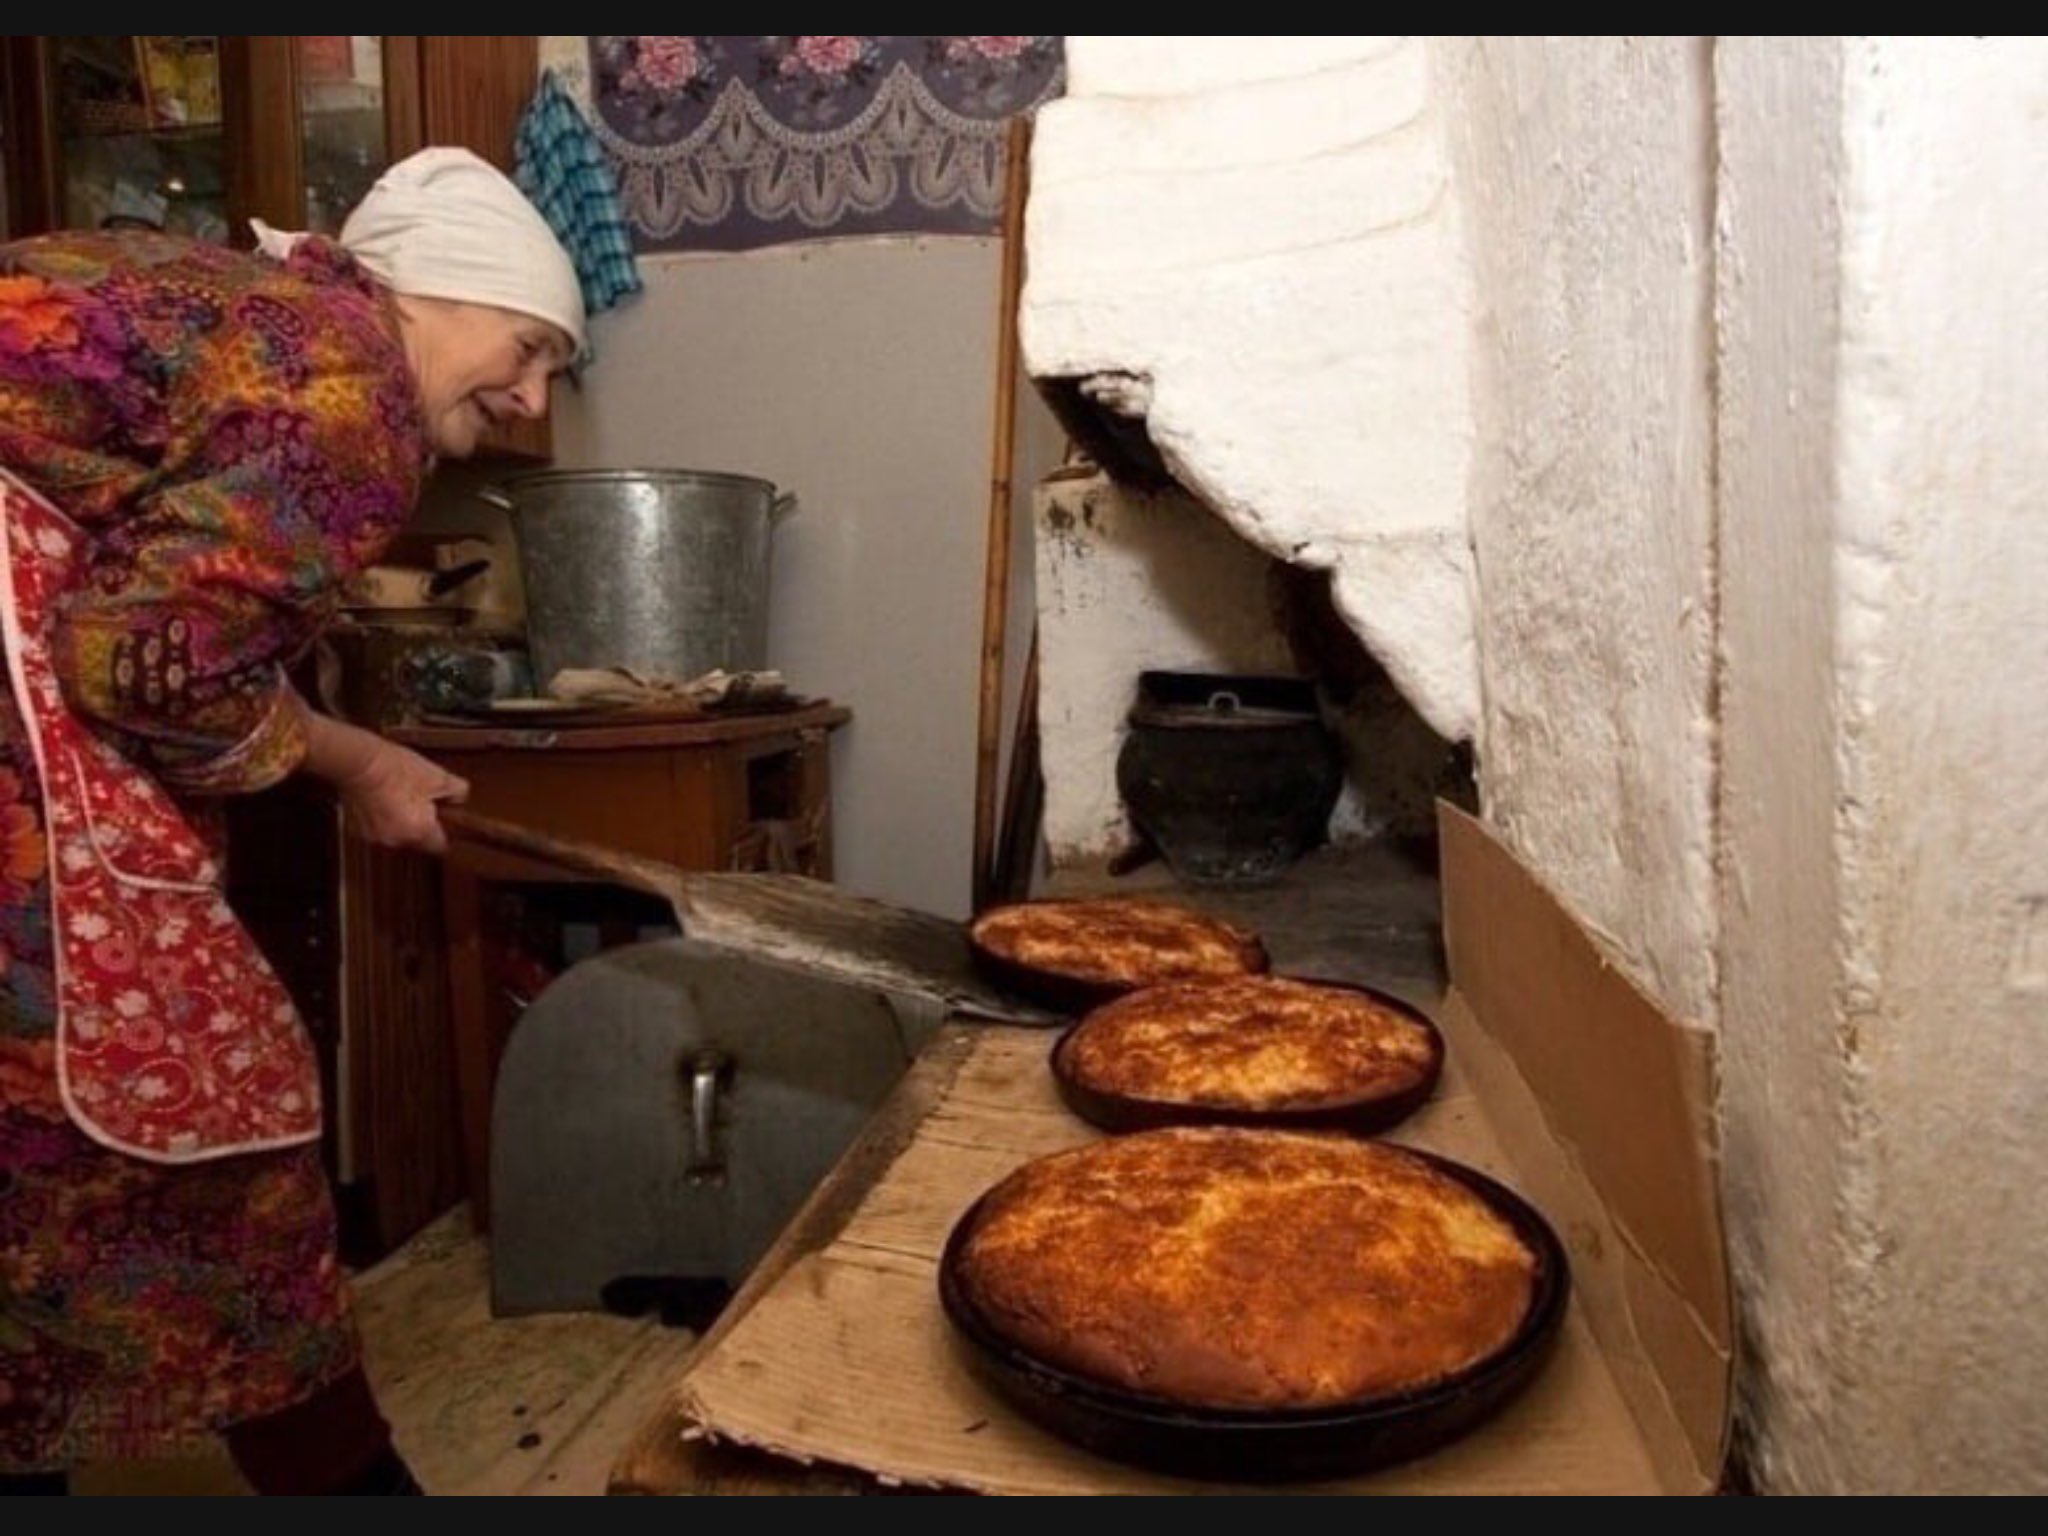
(730, 143)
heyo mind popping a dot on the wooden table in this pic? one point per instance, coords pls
(746, 792)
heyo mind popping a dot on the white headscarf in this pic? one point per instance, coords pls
(445, 224)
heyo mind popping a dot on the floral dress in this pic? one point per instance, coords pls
(234, 437)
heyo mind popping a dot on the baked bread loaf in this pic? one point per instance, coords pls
(1103, 948)
(1251, 1269)
(1252, 1045)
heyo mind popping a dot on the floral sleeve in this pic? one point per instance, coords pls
(294, 456)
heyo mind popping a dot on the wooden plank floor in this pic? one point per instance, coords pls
(481, 1405)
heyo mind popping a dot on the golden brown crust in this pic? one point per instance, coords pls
(1245, 1268)
(1254, 1044)
(1117, 941)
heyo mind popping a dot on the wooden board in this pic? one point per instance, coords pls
(893, 1396)
(484, 1405)
(542, 735)
(665, 1457)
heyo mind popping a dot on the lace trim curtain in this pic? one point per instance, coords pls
(731, 143)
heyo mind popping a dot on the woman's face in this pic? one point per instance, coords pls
(477, 366)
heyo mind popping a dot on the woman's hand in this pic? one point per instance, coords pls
(391, 794)
(395, 800)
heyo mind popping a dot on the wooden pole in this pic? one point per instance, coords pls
(1024, 801)
(1002, 460)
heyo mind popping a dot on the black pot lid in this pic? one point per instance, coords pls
(1222, 711)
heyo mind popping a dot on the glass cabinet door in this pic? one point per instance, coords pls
(138, 120)
(343, 140)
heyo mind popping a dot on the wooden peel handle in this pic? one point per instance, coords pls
(625, 869)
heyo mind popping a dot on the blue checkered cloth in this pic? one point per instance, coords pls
(560, 166)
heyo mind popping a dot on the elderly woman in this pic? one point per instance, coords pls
(197, 449)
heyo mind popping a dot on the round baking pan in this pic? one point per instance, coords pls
(1068, 994)
(1281, 1444)
(1363, 1117)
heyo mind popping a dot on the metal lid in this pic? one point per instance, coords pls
(1222, 710)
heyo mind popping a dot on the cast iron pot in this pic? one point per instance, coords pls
(1231, 778)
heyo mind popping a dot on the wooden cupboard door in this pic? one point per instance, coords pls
(472, 91)
(312, 122)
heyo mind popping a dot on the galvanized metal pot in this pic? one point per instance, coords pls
(661, 570)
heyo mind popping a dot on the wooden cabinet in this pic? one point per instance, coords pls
(199, 135)
(312, 121)
(355, 934)
(472, 90)
(114, 132)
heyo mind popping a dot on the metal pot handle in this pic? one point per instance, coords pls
(786, 506)
(707, 1071)
(492, 495)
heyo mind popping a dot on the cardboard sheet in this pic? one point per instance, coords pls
(1562, 1080)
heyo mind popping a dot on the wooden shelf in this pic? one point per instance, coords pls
(172, 131)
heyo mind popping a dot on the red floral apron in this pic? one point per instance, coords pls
(175, 1041)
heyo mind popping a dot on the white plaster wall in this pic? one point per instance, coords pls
(1255, 237)
(860, 374)
(1584, 176)
(1885, 302)
(1779, 112)
(1945, 325)
(1750, 356)
(1269, 240)
(1129, 582)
